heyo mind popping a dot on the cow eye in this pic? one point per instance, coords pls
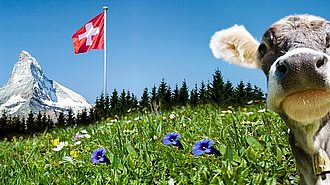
(327, 39)
(262, 49)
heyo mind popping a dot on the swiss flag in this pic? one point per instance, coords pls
(90, 36)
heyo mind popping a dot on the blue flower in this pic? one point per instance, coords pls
(172, 139)
(98, 156)
(204, 146)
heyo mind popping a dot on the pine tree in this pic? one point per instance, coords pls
(202, 94)
(30, 122)
(162, 92)
(3, 123)
(240, 97)
(123, 102)
(184, 93)
(176, 93)
(114, 103)
(70, 120)
(144, 103)
(249, 94)
(194, 96)
(228, 93)
(61, 119)
(217, 87)
(153, 97)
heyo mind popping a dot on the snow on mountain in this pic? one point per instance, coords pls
(28, 89)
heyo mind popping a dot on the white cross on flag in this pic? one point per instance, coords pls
(90, 36)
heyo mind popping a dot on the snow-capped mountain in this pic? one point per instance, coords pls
(28, 89)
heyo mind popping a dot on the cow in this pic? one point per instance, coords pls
(294, 54)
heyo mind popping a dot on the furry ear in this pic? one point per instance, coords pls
(236, 45)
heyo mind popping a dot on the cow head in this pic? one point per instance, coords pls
(294, 54)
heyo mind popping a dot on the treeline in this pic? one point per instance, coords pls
(218, 92)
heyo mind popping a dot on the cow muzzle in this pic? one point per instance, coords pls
(299, 85)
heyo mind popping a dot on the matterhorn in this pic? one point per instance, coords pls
(28, 89)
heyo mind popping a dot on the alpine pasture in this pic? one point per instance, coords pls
(252, 141)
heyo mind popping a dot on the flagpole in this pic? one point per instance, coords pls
(105, 8)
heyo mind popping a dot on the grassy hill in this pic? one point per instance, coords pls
(253, 143)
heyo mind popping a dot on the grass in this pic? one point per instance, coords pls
(253, 144)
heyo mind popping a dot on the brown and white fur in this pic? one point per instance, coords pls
(294, 55)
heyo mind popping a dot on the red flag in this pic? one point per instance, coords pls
(90, 36)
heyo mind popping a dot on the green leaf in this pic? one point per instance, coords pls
(253, 142)
(131, 150)
(228, 154)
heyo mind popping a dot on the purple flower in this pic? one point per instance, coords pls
(172, 139)
(79, 136)
(98, 156)
(204, 146)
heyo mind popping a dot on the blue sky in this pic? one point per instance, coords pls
(147, 40)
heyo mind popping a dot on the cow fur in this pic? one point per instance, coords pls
(293, 54)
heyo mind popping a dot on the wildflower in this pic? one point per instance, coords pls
(172, 139)
(204, 146)
(59, 147)
(87, 136)
(172, 116)
(74, 154)
(257, 101)
(55, 142)
(136, 119)
(98, 156)
(262, 110)
(84, 131)
(48, 135)
(249, 102)
(129, 121)
(77, 143)
(5, 139)
(155, 137)
(21, 138)
(14, 138)
(244, 109)
(248, 113)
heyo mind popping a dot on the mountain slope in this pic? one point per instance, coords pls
(29, 89)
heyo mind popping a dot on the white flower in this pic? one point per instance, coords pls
(59, 147)
(77, 143)
(250, 102)
(171, 182)
(84, 131)
(155, 137)
(137, 118)
(164, 118)
(87, 136)
(129, 121)
(249, 113)
(172, 116)
(262, 110)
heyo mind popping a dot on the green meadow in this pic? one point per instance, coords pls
(253, 143)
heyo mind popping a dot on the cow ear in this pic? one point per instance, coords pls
(236, 45)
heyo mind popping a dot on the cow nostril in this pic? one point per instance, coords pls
(282, 68)
(321, 62)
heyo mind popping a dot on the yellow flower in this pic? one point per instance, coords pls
(5, 139)
(14, 138)
(21, 138)
(74, 154)
(244, 109)
(256, 101)
(55, 141)
(88, 148)
(48, 135)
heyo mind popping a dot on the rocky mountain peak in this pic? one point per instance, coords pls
(28, 89)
